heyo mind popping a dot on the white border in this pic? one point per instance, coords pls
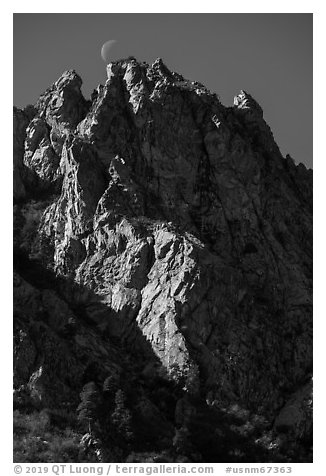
(168, 6)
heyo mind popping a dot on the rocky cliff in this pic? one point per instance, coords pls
(161, 240)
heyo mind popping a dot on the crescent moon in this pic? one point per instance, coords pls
(105, 50)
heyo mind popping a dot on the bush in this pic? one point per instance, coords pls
(36, 441)
(32, 424)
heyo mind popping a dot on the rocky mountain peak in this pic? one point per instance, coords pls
(162, 239)
(63, 105)
(68, 80)
(159, 67)
(245, 101)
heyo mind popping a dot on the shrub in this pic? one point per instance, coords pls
(36, 441)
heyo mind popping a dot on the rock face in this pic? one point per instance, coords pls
(155, 225)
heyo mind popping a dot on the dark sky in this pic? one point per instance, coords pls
(269, 55)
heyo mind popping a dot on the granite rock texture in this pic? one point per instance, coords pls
(153, 221)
